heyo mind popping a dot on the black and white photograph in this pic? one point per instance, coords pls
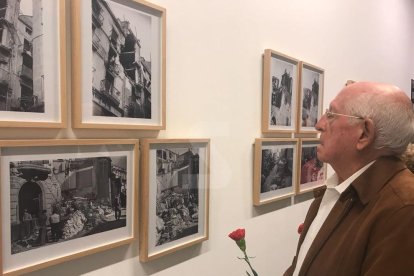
(274, 169)
(121, 45)
(21, 66)
(62, 199)
(282, 103)
(54, 201)
(177, 193)
(280, 81)
(311, 96)
(175, 184)
(277, 168)
(120, 70)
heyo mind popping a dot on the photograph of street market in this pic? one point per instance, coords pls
(53, 201)
(281, 93)
(277, 169)
(311, 167)
(177, 201)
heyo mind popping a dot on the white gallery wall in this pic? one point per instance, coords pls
(214, 86)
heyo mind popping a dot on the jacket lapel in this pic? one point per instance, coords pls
(341, 208)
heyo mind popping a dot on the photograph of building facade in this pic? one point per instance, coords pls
(121, 82)
(57, 200)
(281, 94)
(310, 96)
(177, 201)
(21, 56)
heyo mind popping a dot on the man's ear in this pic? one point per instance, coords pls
(367, 135)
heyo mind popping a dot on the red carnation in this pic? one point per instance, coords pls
(238, 237)
(238, 234)
(300, 228)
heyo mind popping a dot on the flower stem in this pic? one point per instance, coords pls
(246, 258)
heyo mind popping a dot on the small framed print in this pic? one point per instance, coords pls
(311, 97)
(280, 92)
(33, 64)
(64, 199)
(312, 172)
(118, 64)
(275, 170)
(175, 195)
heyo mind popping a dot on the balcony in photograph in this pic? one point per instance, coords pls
(108, 91)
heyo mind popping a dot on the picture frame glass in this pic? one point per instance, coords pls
(177, 195)
(31, 73)
(125, 53)
(61, 199)
(282, 94)
(277, 169)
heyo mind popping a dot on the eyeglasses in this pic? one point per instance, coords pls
(330, 115)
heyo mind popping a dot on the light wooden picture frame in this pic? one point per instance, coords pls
(312, 172)
(310, 97)
(33, 64)
(65, 199)
(275, 169)
(175, 195)
(118, 68)
(280, 92)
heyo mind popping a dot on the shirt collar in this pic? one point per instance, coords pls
(332, 182)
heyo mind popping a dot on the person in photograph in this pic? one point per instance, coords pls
(42, 238)
(361, 222)
(117, 206)
(55, 225)
(27, 220)
(306, 170)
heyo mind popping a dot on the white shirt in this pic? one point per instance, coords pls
(331, 196)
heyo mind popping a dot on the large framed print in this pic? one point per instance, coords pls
(175, 195)
(312, 172)
(33, 64)
(64, 199)
(280, 92)
(275, 170)
(311, 97)
(118, 66)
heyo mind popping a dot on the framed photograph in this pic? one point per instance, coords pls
(280, 92)
(312, 172)
(412, 90)
(64, 199)
(311, 97)
(118, 66)
(33, 64)
(175, 195)
(275, 170)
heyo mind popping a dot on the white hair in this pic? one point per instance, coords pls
(392, 115)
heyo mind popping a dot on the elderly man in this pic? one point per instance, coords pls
(362, 221)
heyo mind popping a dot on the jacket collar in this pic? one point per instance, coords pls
(377, 176)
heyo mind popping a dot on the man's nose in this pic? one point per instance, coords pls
(321, 122)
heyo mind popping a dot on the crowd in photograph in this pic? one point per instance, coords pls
(177, 215)
(69, 219)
